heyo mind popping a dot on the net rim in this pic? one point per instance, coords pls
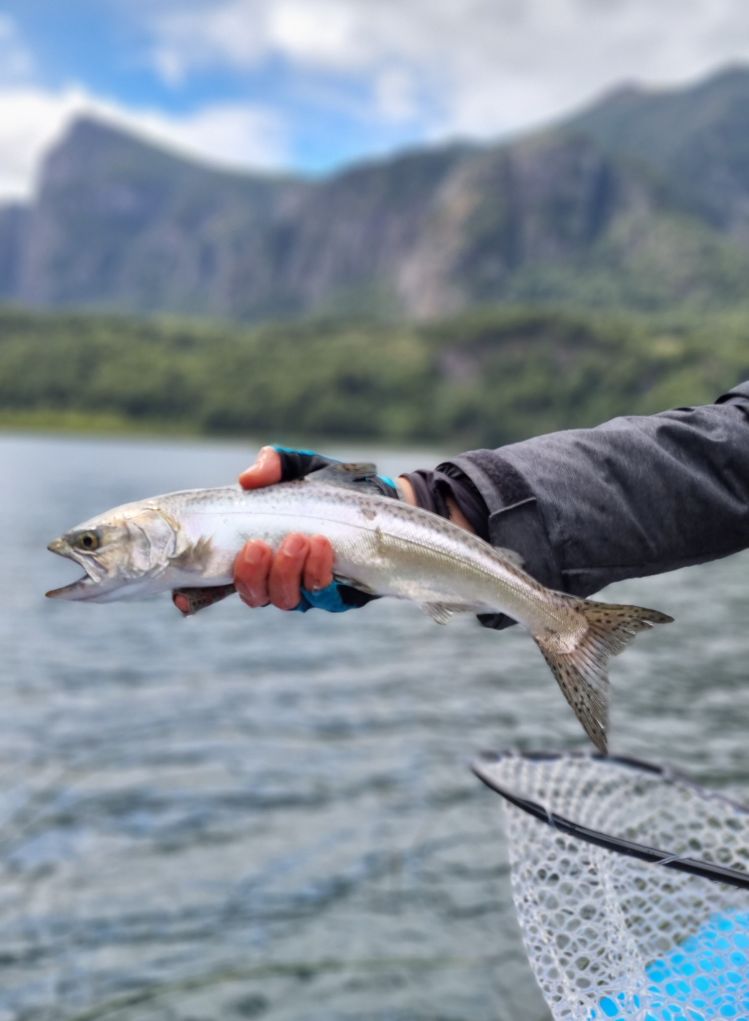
(619, 845)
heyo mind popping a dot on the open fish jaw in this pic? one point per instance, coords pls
(79, 589)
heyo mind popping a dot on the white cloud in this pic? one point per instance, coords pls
(483, 67)
(436, 68)
(193, 37)
(230, 134)
(317, 33)
(170, 65)
(30, 119)
(16, 62)
(396, 95)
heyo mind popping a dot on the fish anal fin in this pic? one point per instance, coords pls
(443, 613)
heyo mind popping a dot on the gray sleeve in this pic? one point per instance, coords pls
(631, 497)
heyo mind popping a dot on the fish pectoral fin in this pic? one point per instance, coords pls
(510, 554)
(443, 613)
(190, 600)
(350, 475)
(193, 557)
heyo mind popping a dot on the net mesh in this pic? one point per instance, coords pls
(612, 937)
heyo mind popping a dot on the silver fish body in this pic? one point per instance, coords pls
(382, 546)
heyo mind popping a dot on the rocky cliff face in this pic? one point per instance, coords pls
(121, 224)
(643, 199)
(696, 139)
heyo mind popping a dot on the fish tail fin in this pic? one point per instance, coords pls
(579, 658)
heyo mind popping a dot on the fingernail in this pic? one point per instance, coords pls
(294, 545)
(253, 553)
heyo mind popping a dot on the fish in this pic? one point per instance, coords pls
(186, 543)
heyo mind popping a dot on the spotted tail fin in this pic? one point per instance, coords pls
(580, 662)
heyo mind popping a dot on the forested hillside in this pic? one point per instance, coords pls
(488, 377)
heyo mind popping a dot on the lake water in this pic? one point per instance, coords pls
(253, 814)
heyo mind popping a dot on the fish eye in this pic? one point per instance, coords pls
(88, 541)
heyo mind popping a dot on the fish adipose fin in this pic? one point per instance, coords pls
(510, 554)
(580, 663)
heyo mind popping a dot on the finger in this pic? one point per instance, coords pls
(318, 570)
(286, 571)
(264, 472)
(251, 570)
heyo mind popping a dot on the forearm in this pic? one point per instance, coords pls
(631, 497)
(634, 496)
(454, 513)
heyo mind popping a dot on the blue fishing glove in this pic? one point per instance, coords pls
(336, 597)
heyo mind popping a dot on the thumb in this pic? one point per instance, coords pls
(266, 470)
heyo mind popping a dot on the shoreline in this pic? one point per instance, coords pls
(81, 423)
(109, 426)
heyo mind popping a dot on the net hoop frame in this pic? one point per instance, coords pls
(620, 845)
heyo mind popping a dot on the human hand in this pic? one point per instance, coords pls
(299, 574)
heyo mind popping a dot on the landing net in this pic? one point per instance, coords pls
(631, 885)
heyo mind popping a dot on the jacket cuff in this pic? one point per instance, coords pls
(515, 519)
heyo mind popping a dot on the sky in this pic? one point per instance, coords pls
(310, 85)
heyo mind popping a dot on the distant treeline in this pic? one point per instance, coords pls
(484, 378)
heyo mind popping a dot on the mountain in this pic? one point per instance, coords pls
(696, 139)
(641, 200)
(13, 232)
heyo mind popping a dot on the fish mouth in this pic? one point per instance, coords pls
(77, 589)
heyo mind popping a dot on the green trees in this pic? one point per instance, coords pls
(486, 377)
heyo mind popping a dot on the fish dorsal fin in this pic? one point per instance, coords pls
(443, 613)
(510, 554)
(351, 475)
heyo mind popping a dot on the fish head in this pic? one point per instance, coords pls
(121, 552)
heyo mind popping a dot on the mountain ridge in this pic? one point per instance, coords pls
(639, 200)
